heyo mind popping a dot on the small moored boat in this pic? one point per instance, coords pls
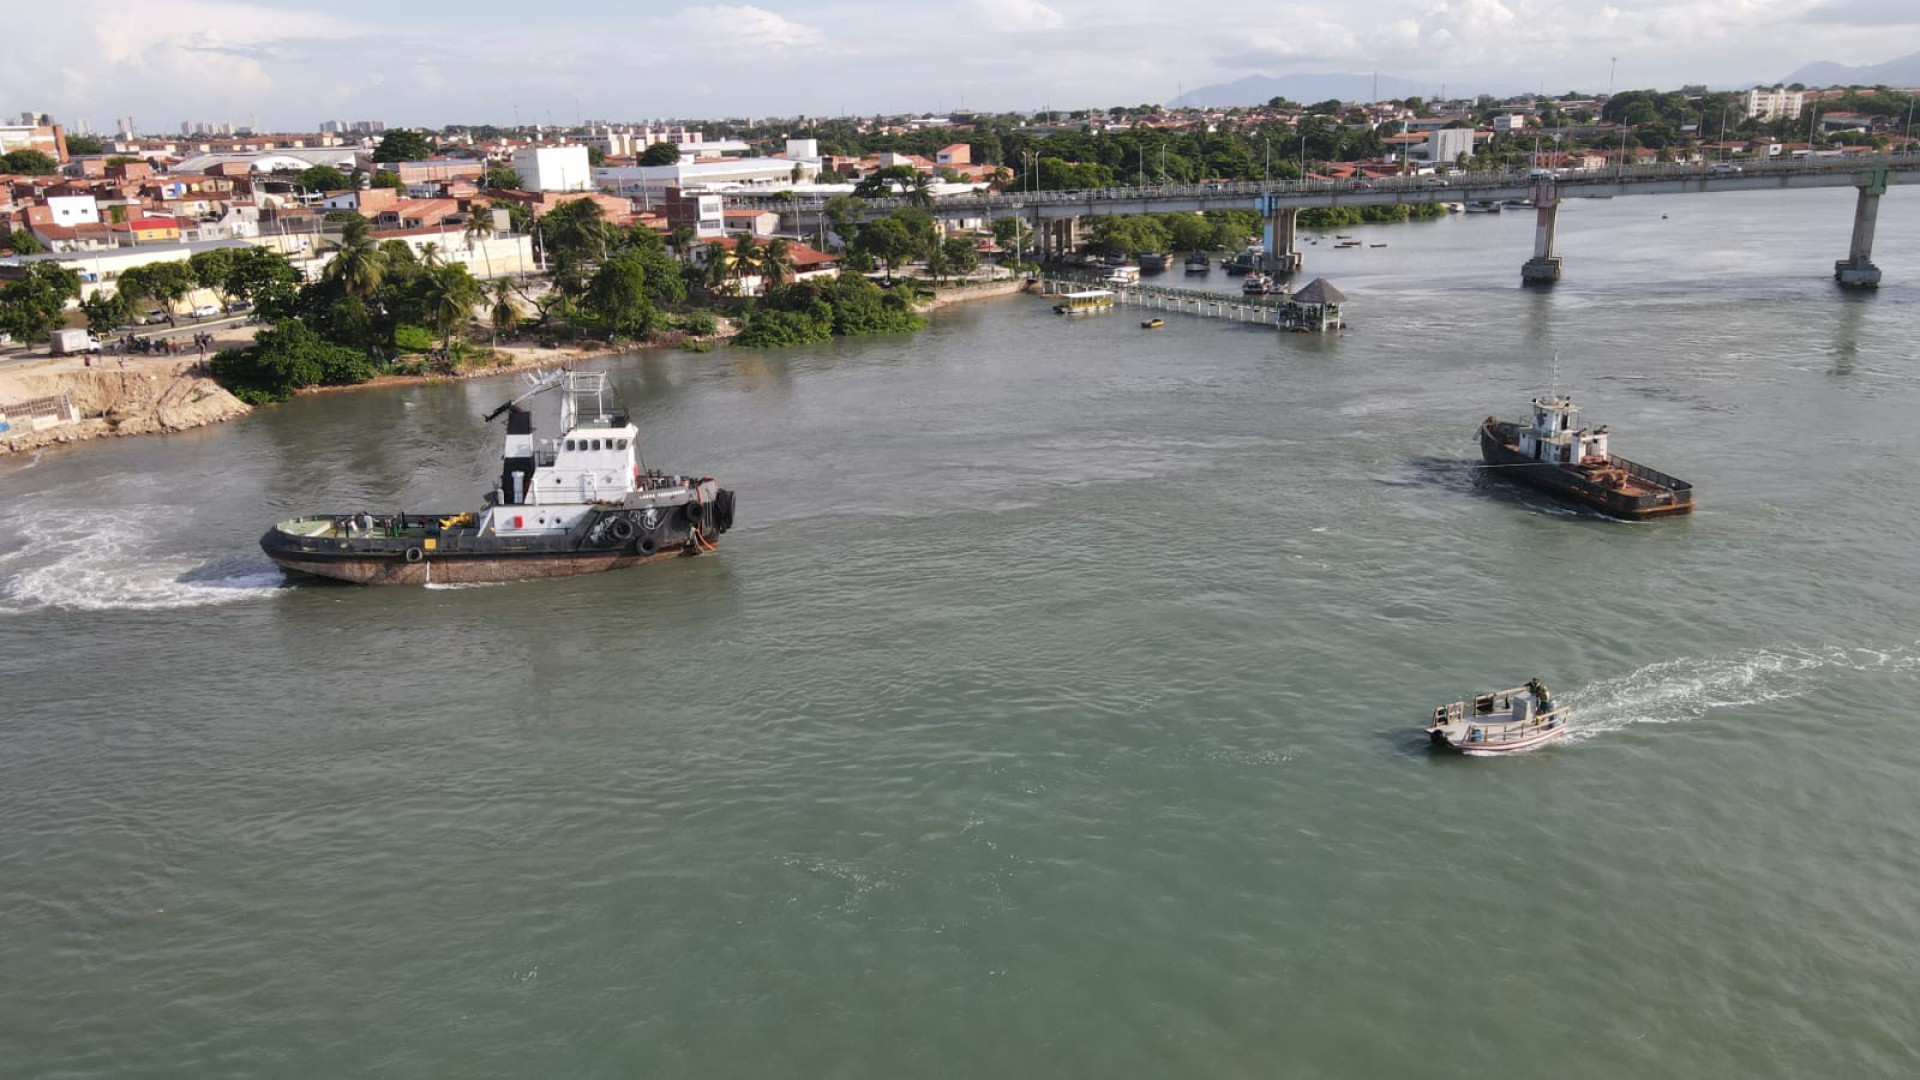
(1153, 324)
(1153, 261)
(1556, 454)
(1502, 722)
(1198, 263)
(1257, 284)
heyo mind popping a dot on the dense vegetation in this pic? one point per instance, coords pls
(845, 306)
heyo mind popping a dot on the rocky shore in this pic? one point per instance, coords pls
(147, 397)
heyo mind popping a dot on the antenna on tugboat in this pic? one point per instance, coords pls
(1553, 385)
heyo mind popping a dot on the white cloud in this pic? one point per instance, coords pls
(1004, 15)
(741, 26)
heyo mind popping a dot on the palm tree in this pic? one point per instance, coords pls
(719, 272)
(746, 260)
(357, 264)
(920, 190)
(504, 315)
(450, 294)
(776, 263)
(429, 254)
(682, 240)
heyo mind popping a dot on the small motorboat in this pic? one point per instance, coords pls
(1152, 324)
(1502, 722)
(1376, 245)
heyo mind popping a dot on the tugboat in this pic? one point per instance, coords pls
(577, 504)
(1560, 456)
(1244, 261)
(1503, 722)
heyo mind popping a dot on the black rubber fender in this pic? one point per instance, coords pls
(647, 544)
(621, 529)
(413, 555)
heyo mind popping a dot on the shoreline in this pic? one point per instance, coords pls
(122, 396)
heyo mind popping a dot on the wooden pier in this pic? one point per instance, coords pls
(1277, 309)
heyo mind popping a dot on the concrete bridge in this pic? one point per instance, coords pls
(1055, 215)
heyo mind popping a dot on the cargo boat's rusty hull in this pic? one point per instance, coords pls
(1619, 487)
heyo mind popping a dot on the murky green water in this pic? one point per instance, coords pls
(1052, 712)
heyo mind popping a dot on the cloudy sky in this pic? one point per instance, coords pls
(293, 63)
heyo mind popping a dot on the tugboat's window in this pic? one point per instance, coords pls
(596, 444)
(621, 444)
(569, 444)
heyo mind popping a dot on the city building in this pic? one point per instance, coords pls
(553, 168)
(1762, 103)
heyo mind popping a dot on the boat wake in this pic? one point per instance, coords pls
(1689, 688)
(94, 561)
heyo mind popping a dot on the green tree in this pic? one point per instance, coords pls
(450, 295)
(889, 240)
(882, 183)
(500, 178)
(960, 254)
(24, 243)
(574, 235)
(1010, 233)
(387, 178)
(402, 144)
(167, 283)
(357, 265)
(28, 163)
(36, 304)
(843, 214)
(660, 153)
(264, 277)
(106, 310)
(287, 357)
(323, 178)
(616, 297)
(776, 263)
(503, 315)
(83, 145)
(596, 157)
(211, 268)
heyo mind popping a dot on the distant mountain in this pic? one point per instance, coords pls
(1902, 72)
(1307, 89)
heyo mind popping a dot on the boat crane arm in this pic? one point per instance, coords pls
(541, 384)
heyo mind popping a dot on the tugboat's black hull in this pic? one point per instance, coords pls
(418, 549)
(1653, 494)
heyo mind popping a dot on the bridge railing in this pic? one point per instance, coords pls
(1434, 185)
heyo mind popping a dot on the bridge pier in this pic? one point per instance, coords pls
(1857, 271)
(1544, 267)
(1282, 233)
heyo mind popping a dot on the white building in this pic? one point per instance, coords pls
(1445, 145)
(1764, 104)
(723, 175)
(553, 168)
(73, 209)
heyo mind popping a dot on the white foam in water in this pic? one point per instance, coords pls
(95, 560)
(1676, 691)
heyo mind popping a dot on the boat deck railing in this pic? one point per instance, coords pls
(1650, 476)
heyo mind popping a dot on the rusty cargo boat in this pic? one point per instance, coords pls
(578, 504)
(1554, 453)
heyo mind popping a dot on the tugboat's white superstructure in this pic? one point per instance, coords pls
(578, 503)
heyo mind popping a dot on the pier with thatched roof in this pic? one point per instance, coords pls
(1313, 309)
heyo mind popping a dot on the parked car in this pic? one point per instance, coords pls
(1724, 167)
(152, 317)
(1434, 181)
(205, 311)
